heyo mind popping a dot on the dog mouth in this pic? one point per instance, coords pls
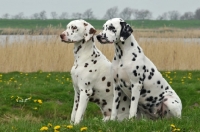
(69, 41)
(103, 40)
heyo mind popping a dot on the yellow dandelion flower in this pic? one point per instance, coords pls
(44, 128)
(172, 125)
(83, 129)
(178, 129)
(170, 82)
(12, 97)
(69, 126)
(56, 130)
(67, 79)
(35, 100)
(49, 125)
(56, 127)
(39, 101)
(35, 108)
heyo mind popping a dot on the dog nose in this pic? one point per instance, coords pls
(99, 37)
(62, 36)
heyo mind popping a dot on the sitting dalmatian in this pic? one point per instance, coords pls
(137, 76)
(90, 73)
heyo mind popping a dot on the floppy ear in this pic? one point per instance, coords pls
(126, 31)
(89, 31)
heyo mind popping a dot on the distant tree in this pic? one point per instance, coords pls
(142, 14)
(42, 15)
(197, 14)
(187, 16)
(126, 13)
(64, 15)
(76, 15)
(88, 14)
(35, 16)
(54, 15)
(19, 16)
(164, 16)
(111, 13)
(5, 16)
(174, 15)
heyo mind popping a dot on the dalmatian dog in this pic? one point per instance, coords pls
(90, 73)
(136, 76)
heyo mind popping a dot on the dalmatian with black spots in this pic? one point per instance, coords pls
(90, 73)
(137, 76)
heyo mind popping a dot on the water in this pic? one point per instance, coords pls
(8, 39)
(185, 40)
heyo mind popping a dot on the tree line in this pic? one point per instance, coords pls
(127, 14)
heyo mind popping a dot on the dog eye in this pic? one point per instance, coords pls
(111, 28)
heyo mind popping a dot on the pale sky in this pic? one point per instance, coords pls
(99, 7)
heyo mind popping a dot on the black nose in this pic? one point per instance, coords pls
(62, 36)
(99, 37)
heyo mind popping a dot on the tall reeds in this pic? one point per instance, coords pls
(48, 53)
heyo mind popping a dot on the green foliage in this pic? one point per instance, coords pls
(34, 24)
(30, 101)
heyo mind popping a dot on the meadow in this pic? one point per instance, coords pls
(32, 25)
(35, 101)
(36, 88)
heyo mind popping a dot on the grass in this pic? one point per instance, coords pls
(49, 99)
(34, 24)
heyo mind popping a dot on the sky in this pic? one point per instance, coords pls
(99, 7)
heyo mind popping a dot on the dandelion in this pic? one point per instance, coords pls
(173, 126)
(39, 101)
(49, 125)
(44, 128)
(35, 108)
(83, 129)
(67, 79)
(69, 126)
(56, 127)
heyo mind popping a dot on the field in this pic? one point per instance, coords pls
(30, 101)
(36, 88)
(137, 24)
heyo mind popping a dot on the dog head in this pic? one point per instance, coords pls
(114, 30)
(77, 31)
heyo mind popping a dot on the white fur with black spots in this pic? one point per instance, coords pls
(90, 73)
(137, 76)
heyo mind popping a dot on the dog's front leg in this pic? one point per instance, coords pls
(83, 101)
(135, 95)
(116, 102)
(75, 107)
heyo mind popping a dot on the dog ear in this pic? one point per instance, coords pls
(89, 31)
(126, 31)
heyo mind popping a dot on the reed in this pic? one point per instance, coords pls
(50, 54)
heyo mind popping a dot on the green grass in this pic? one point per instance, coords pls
(55, 91)
(33, 24)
